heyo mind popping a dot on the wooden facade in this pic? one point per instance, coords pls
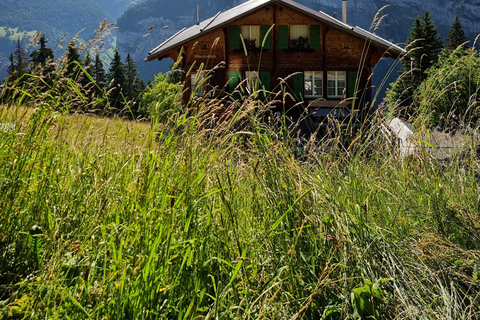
(318, 60)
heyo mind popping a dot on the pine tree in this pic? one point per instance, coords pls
(11, 68)
(424, 45)
(88, 63)
(414, 45)
(456, 36)
(116, 78)
(98, 74)
(132, 84)
(72, 57)
(42, 54)
(85, 75)
(432, 44)
(20, 63)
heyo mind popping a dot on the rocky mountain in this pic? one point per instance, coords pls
(116, 7)
(401, 14)
(58, 19)
(135, 37)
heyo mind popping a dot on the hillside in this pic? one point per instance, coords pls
(56, 18)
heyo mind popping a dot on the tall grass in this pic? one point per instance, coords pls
(228, 221)
(213, 213)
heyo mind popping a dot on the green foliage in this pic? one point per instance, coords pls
(35, 242)
(451, 90)
(424, 45)
(161, 98)
(98, 74)
(456, 36)
(116, 80)
(183, 221)
(72, 61)
(43, 54)
(367, 300)
(80, 83)
(431, 45)
(18, 62)
(134, 86)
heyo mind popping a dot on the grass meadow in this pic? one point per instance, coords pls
(109, 219)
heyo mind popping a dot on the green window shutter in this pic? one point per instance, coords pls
(351, 82)
(233, 81)
(283, 37)
(265, 80)
(234, 37)
(314, 36)
(298, 85)
(268, 40)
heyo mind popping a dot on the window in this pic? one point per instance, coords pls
(251, 36)
(313, 84)
(299, 36)
(197, 81)
(336, 83)
(298, 30)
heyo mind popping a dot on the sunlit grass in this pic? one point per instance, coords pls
(183, 221)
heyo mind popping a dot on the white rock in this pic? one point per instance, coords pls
(404, 131)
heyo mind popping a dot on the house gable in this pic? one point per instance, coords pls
(319, 57)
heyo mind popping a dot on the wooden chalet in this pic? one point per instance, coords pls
(319, 57)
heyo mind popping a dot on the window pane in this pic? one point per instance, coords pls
(341, 82)
(255, 34)
(318, 84)
(245, 31)
(336, 83)
(297, 31)
(331, 75)
(251, 33)
(313, 81)
(308, 83)
(340, 86)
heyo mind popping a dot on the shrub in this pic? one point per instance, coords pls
(160, 97)
(450, 90)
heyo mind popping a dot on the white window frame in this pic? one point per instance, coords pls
(337, 77)
(197, 82)
(315, 75)
(251, 32)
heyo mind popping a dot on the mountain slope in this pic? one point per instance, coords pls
(116, 7)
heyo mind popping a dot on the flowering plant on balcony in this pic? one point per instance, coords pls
(299, 43)
(250, 43)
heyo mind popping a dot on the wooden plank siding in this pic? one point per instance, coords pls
(327, 49)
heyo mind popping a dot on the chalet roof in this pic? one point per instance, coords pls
(223, 18)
